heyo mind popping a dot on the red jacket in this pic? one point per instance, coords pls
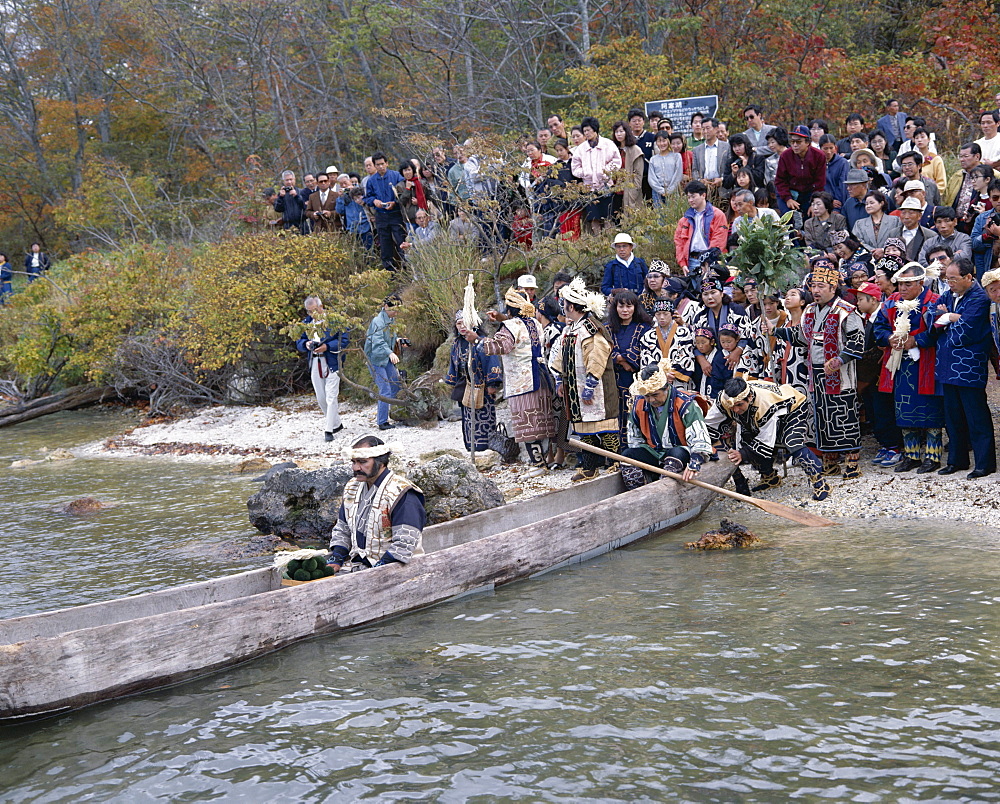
(806, 175)
(717, 235)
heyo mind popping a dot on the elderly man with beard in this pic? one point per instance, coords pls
(382, 517)
(833, 334)
(908, 369)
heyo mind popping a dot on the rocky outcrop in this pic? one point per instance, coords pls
(302, 506)
(453, 487)
(85, 505)
(251, 466)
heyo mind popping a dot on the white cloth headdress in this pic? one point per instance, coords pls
(908, 273)
(361, 453)
(576, 292)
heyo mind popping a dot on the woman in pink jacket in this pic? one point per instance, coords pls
(594, 160)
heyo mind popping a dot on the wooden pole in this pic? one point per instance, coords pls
(802, 517)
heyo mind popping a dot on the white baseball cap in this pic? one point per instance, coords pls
(623, 237)
(527, 281)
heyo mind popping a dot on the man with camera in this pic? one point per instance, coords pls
(382, 347)
(290, 204)
(321, 208)
(324, 348)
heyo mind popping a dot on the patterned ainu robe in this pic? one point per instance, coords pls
(478, 423)
(627, 343)
(915, 390)
(731, 315)
(526, 385)
(832, 330)
(582, 351)
(676, 345)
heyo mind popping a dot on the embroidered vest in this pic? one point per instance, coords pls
(519, 364)
(378, 528)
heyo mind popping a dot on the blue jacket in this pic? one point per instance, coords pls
(884, 124)
(982, 244)
(854, 211)
(383, 188)
(963, 348)
(355, 218)
(336, 342)
(618, 275)
(836, 174)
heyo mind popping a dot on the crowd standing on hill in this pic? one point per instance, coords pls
(890, 328)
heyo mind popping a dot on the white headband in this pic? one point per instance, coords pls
(361, 453)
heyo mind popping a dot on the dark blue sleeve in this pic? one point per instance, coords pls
(370, 191)
(410, 510)
(606, 284)
(300, 344)
(973, 328)
(881, 331)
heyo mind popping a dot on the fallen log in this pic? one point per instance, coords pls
(70, 399)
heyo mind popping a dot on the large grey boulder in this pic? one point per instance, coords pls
(453, 487)
(299, 504)
(302, 505)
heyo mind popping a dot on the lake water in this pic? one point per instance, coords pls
(857, 663)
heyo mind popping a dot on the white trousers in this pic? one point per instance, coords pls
(327, 390)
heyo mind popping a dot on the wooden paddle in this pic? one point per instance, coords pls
(802, 517)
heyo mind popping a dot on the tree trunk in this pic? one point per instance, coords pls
(70, 399)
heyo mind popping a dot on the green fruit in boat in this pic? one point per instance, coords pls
(309, 564)
(328, 571)
(294, 564)
(317, 574)
(302, 575)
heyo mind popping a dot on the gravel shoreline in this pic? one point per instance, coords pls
(291, 429)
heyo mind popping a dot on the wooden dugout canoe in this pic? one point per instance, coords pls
(62, 660)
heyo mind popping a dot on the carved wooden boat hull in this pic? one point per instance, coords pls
(62, 660)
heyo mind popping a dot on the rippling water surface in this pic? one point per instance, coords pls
(857, 663)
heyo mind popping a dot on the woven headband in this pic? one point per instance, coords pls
(729, 401)
(520, 302)
(655, 382)
(362, 453)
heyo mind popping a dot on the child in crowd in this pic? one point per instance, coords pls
(710, 369)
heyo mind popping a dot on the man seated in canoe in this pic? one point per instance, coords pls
(382, 516)
(666, 427)
(768, 416)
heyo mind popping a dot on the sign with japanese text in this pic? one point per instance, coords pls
(679, 110)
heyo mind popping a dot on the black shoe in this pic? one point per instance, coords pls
(978, 473)
(386, 426)
(950, 469)
(337, 429)
(328, 436)
(742, 485)
(906, 465)
(927, 467)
